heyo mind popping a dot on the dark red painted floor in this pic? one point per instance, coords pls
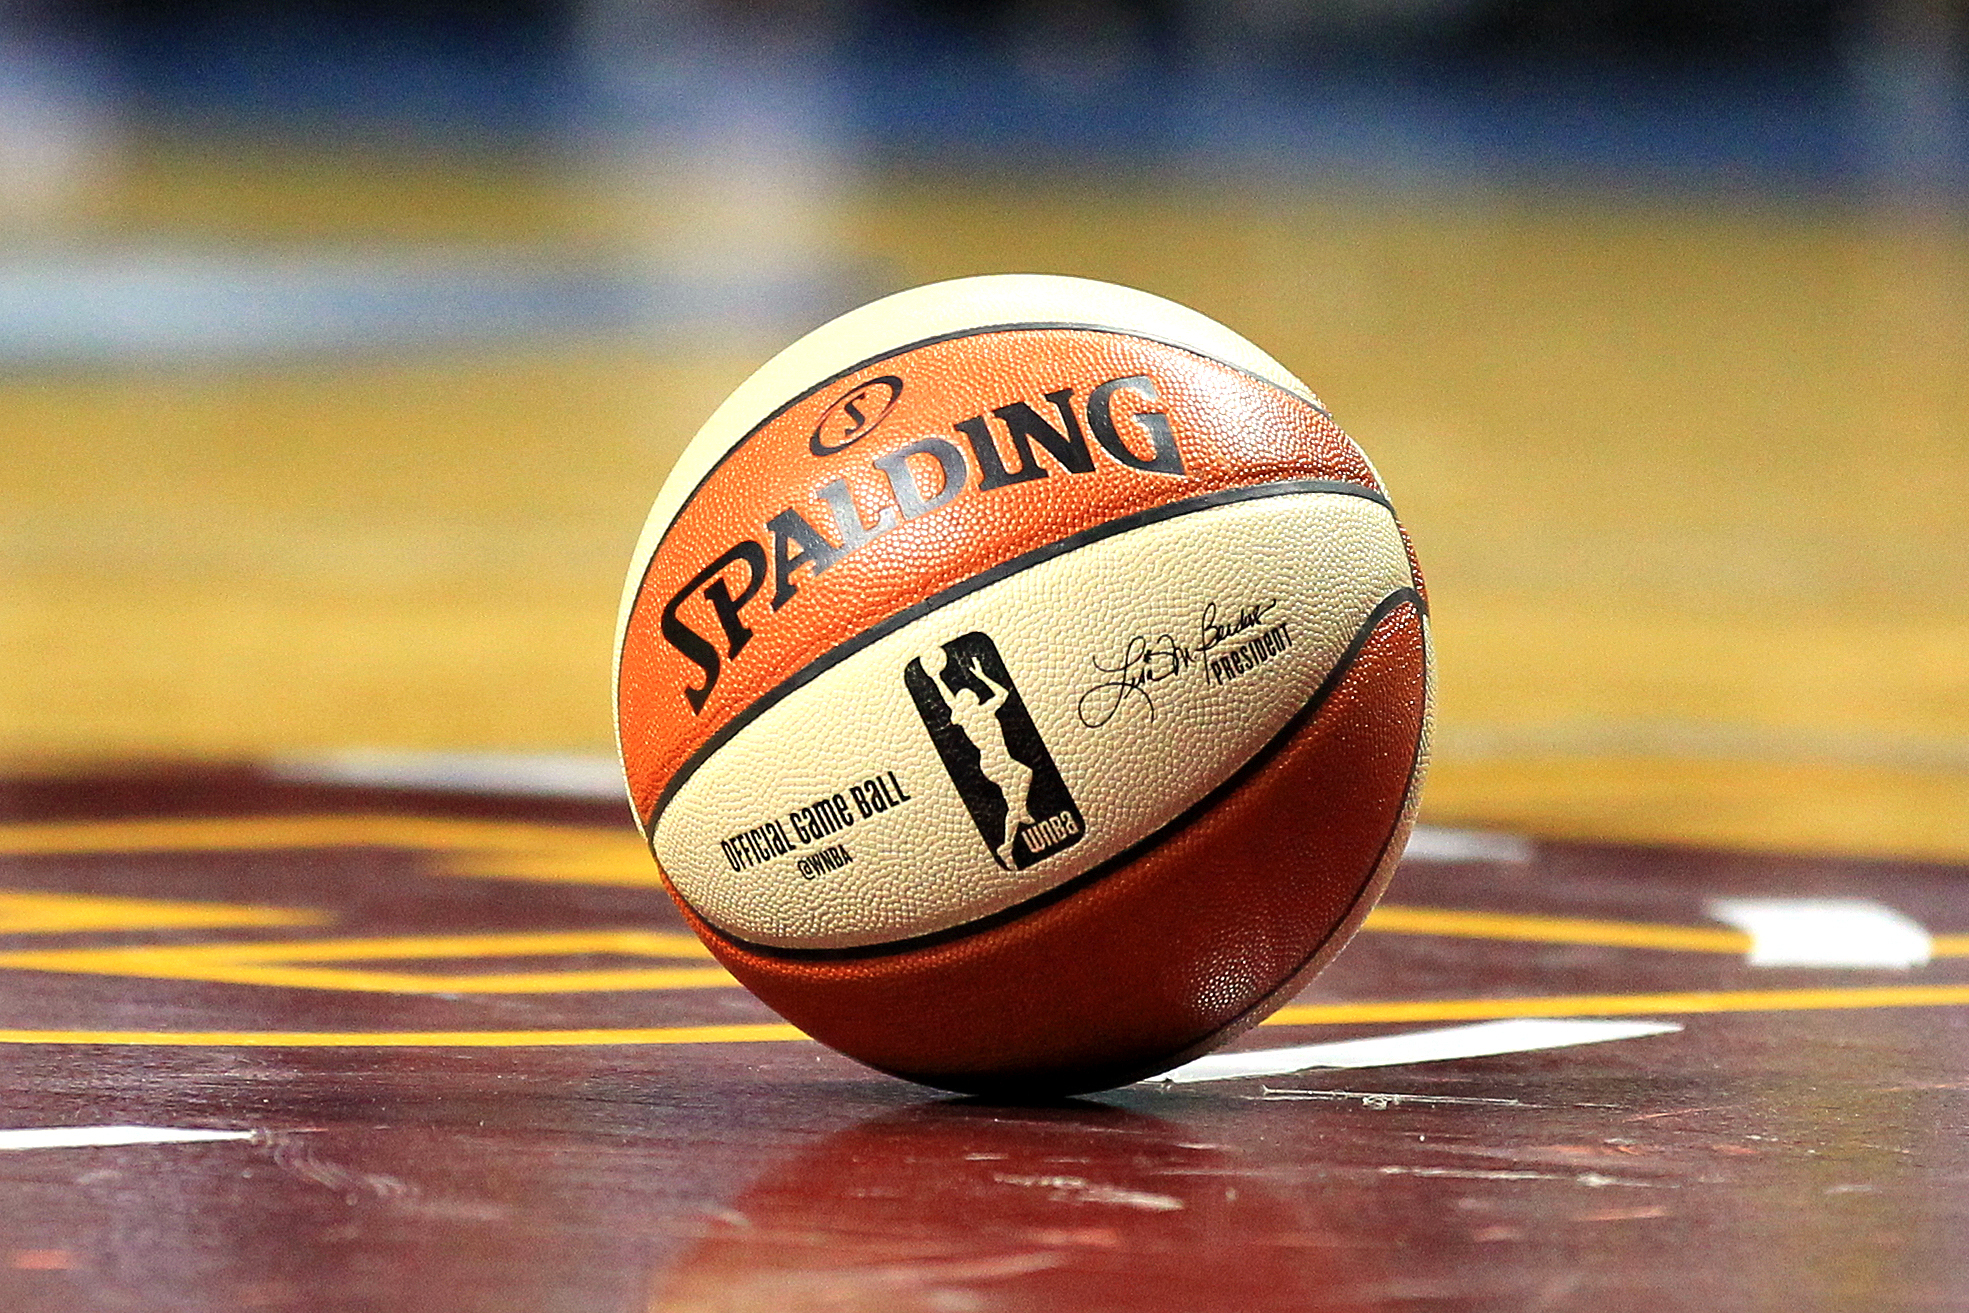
(1798, 1145)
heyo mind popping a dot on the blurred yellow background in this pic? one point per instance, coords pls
(1689, 480)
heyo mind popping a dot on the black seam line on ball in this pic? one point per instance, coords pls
(1047, 897)
(983, 579)
(1116, 1077)
(1270, 1002)
(1037, 326)
(1277, 997)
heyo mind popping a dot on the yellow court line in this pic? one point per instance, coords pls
(501, 850)
(615, 856)
(1308, 1014)
(1392, 918)
(1615, 1005)
(37, 912)
(618, 980)
(246, 833)
(409, 1038)
(282, 963)
(635, 943)
(1399, 919)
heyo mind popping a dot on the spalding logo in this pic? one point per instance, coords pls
(792, 543)
(855, 415)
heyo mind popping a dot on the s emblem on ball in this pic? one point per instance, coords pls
(855, 415)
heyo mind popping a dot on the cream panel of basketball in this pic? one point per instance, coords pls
(881, 800)
(954, 306)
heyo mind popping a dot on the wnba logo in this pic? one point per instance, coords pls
(993, 751)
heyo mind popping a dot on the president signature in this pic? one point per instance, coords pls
(1148, 660)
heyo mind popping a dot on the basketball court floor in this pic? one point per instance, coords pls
(334, 977)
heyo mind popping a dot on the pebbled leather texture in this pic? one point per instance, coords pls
(1230, 429)
(856, 652)
(1230, 617)
(1165, 954)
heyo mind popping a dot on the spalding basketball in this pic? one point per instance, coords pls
(1023, 684)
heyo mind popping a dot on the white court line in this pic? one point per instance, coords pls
(1480, 1040)
(1825, 932)
(546, 774)
(95, 1137)
(1431, 843)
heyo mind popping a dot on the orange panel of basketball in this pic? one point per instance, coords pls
(1024, 684)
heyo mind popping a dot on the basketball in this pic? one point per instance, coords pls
(1023, 684)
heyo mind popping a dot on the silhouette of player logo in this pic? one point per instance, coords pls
(993, 751)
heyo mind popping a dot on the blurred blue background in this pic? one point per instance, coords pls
(1786, 95)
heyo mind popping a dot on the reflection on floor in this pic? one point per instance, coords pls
(371, 1058)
